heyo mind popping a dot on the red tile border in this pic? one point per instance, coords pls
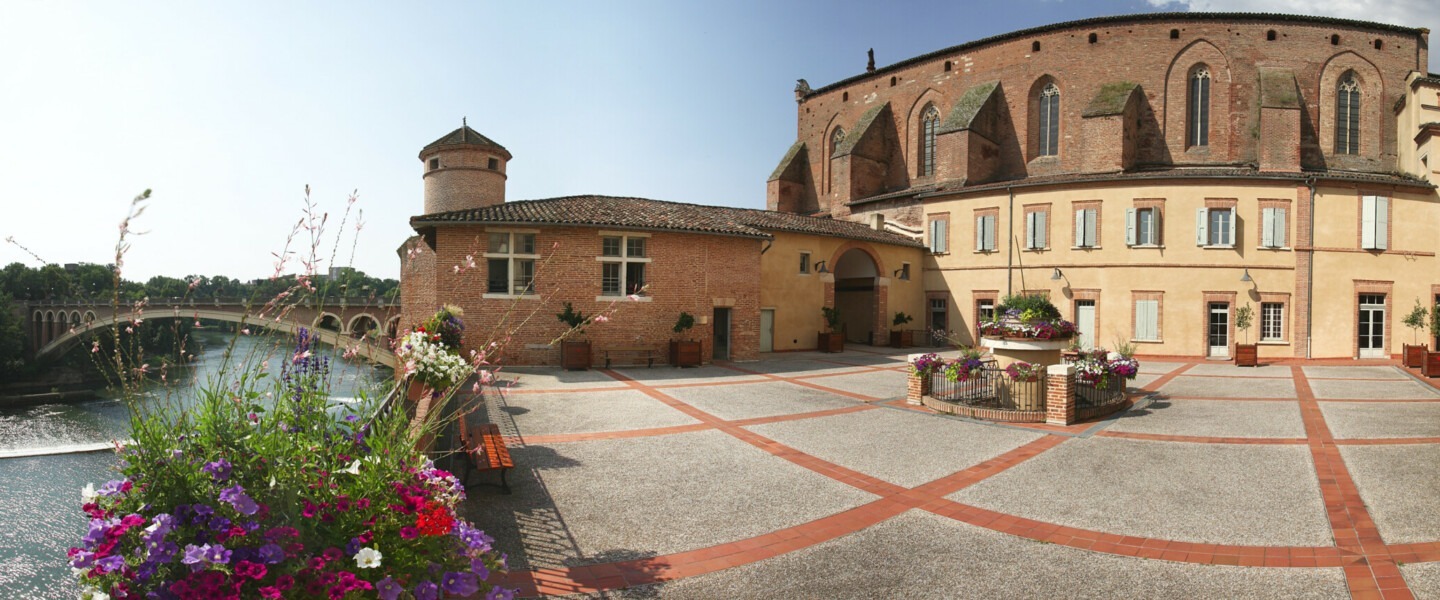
(1198, 439)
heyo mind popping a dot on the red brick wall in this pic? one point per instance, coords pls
(688, 272)
(464, 179)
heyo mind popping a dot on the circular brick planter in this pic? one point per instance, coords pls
(1036, 352)
(986, 414)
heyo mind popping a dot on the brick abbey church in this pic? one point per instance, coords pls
(1150, 173)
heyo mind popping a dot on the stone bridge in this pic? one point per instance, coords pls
(51, 327)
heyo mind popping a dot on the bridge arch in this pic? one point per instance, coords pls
(370, 349)
(392, 327)
(328, 321)
(362, 324)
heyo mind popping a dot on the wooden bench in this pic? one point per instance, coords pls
(485, 448)
(638, 352)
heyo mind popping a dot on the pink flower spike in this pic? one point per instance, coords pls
(245, 331)
(602, 319)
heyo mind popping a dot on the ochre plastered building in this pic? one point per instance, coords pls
(1150, 173)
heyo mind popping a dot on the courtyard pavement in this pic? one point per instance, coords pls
(806, 475)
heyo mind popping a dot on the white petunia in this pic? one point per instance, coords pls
(353, 469)
(367, 558)
(87, 493)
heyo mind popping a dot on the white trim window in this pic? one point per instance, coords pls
(1273, 227)
(623, 260)
(985, 233)
(1272, 322)
(1086, 227)
(510, 264)
(1374, 222)
(804, 263)
(1215, 227)
(939, 236)
(1147, 320)
(1142, 226)
(1036, 230)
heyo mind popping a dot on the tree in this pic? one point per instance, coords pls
(12, 340)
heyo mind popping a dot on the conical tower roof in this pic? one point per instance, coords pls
(464, 136)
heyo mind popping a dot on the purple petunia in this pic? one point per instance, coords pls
(220, 469)
(499, 593)
(235, 495)
(459, 584)
(217, 554)
(271, 554)
(111, 563)
(427, 590)
(163, 552)
(111, 488)
(194, 555)
(388, 589)
(474, 538)
(477, 566)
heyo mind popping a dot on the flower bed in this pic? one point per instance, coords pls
(1027, 317)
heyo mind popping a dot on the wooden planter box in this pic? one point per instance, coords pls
(1414, 356)
(575, 355)
(831, 342)
(685, 354)
(1431, 364)
(1247, 355)
(902, 338)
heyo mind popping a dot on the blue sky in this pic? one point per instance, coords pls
(228, 111)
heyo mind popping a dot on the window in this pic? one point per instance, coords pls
(1273, 229)
(1036, 230)
(1147, 320)
(836, 137)
(1270, 35)
(1034, 46)
(1048, 128)
(1347, 116)
(434, 164)
(985, 309)
(510, 264)
(622, 264)
(1142, 226)
(930, 121)
(1198, 125)
(1272, 320)
(904, 271)
(1087, 227)
(939, 236)
(1374, 222)
(985, 233)
(1215, 227)
(493, 164)
(804, 263)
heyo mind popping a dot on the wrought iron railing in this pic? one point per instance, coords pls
(990, 387)
(1092, 396)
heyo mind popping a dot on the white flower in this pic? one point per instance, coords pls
(87, 493)
(353, 469)
(91, 593)
(367, 558)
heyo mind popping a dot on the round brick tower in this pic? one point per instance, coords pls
(463, 170)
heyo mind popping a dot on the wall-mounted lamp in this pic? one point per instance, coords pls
(899, 271)
(1244, 278)
(1057, 275)
(820, 267)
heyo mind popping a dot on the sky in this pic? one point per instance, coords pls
(228, 111)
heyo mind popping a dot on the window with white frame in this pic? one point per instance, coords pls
(1374, 222)
(804, 263)
(510, 264)
(985, 233)
(1215, 227)
(1142, 226)
(622, 264)
(1273, 228)
(1272, 322)
(1037, 230)
(1147, 320)
(939, 236)
(1087, 227)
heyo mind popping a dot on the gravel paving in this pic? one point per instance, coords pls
(1354, 372)
(798, 367)
(1217, 418)
(1158, 368)
(922, 555)
(1230, 370)
(1340, 388)
(1215, 387)
(902, 447)
(1424, 579)
(1142, 380)
(1401, 487)
(1382, 419)
(667, 375)
(770, 398)
(875, 384)
(620, 410)
(1207, 493)
(543, 378)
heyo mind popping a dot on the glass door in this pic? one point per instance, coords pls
(722, 334)
(1219, 334)
(938, 321)
(1371, 326)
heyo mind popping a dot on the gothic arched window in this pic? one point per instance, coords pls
(1347, 116)
(930, 122)
(1197, 126)
(1049, 121)
(836, 137)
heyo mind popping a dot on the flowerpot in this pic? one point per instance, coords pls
(685, 353)
(1023, 395)
(902, 338)
(1431, 365)
(1247, 355)
(831, 342)
(575, 355)
(1414, 356)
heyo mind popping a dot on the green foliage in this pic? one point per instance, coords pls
(1416, 319)
(684, 323)
(1244, 318)
(572, 318)
(1435, 320)
(1031, 308)
(832, 317)
(12, 341)
(1126, 349)
(901, 319)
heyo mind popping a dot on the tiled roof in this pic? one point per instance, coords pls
(1135, 18)
(463, 136)
(645, 214)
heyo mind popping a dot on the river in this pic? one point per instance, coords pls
(40, 495)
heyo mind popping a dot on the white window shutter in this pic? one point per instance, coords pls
(1153, 314)
(1267, 228)
(1202, 231)
(1041, 230)
(1092, 223)
(1156, 226)
(1367, 222)
(1234, 218)
(1129, 227)
(1281, 232)
(1080, 239)
(1029, 230)
(1382, 222)
(944, 228)
(979, 234)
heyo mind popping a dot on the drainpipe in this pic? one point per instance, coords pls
(1010, 243)
(1310, 279)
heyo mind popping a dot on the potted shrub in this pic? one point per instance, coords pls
(1431, 366)
(832, 340)
(1247, 354)
(574, 354)
(1022, 396)
(684, 353)
(1414, 354)
(901, 338)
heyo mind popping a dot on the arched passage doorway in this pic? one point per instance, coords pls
(858, 296)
